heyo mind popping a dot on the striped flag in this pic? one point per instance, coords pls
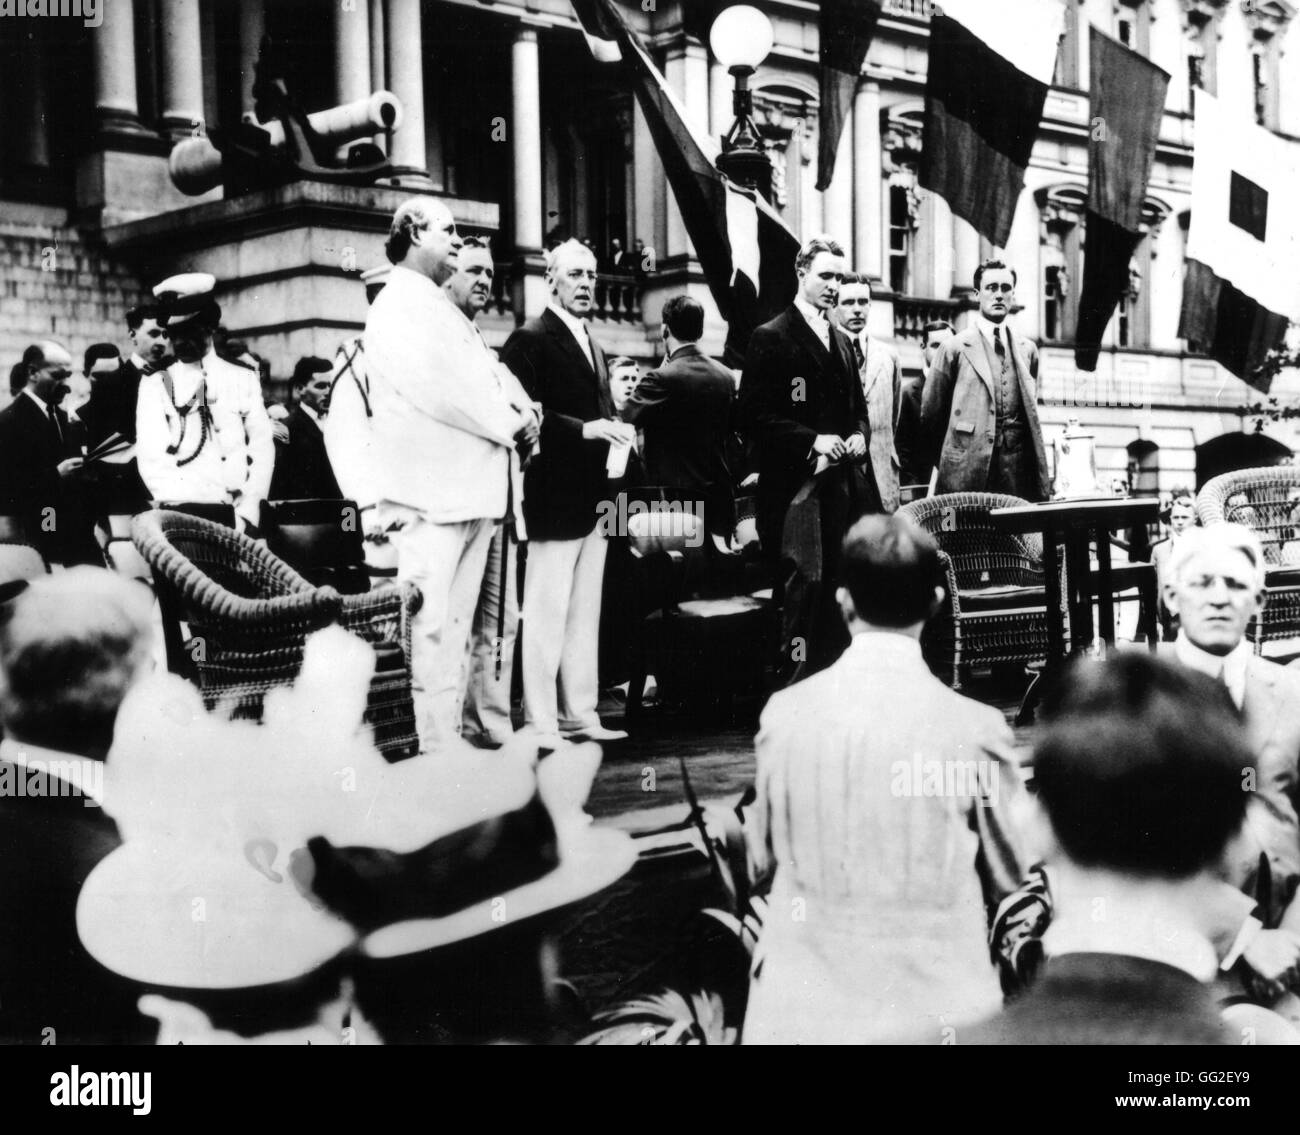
(991, 64)
(845, 30)
(1127, 102)
(744, 247)
(1242, 285)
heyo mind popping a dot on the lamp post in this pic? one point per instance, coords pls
(741, 38)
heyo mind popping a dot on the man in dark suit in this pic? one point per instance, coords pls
(563, 368)
(1157, 751)
(802, 406)
(111, 409)
(70, 647)
(685, 409)
(302, 467)
(979, 409)
(912, 464)
(41, 464)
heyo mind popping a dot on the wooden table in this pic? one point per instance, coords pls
(1077, 525)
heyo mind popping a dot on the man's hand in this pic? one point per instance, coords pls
(70, 465)
(530, 429)
(1274, 956)
(603, 429)
(830, 445)
(279, 431)
(856, 446)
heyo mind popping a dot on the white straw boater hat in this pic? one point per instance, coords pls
(186, 297)
(249, 861)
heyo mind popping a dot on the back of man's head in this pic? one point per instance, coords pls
(70, 647)
(1143, 768)
(890, 568)
(684, 318)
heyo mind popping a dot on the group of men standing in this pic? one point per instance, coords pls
(836, 434)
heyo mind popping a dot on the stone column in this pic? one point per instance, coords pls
(182, 70)
(526, 150)
(837, 200)
(113, 42)
(352, 51)
(252, 26)
(405, 46)
(868, 180)
(687, 71)
(966, 257)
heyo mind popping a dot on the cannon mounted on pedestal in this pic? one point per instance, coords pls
(285, 144)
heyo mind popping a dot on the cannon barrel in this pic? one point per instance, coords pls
(195, 163)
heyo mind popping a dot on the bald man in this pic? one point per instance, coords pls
(440, 443)
(41, 466)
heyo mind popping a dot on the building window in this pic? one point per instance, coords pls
(1267, 21)
(1201, 25)
(1061, 210)
(900, 240)
(1133, 25)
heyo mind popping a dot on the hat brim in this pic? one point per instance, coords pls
(138, 915)
(595, 860)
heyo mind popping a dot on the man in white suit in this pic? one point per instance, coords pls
(881, 376)
(879, 789)
(441, 438)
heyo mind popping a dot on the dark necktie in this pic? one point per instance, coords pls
(858, 354)
(1000, 349)
(58, 426)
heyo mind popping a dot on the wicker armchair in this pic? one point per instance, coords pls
(251, 613)
(996, 607)
(1267, 501)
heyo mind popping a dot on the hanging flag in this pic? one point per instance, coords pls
(1242, 285)
(744, 248)
(1127, 102)
(845, 28)
(990, 67)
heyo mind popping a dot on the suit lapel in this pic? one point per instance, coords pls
(566, 339)
(977, 351)
(871, 367)
(1260, 702)
(808, 337)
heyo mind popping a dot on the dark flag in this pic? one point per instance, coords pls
(845, 28)
(990, 68)
(1241, 288)
(1127, 103)
(745, 250)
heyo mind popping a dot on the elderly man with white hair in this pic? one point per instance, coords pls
(71, 646)
(1214, 583)
(440, 444)
(563, 368)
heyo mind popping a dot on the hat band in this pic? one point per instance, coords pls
(373, 887)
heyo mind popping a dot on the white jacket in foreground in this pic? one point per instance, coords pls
(443, 427)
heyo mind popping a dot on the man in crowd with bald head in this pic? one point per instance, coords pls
(564, 369)
(41, 466)
(441, 438)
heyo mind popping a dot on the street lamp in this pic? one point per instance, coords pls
(741, 38)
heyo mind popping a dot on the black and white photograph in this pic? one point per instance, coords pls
(649, 522)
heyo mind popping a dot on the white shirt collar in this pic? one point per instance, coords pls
(315, 417)
(83, 775)
(814, 315)
(137, 361)
(987, 327)
(1137, 923)
(45, 409)
(1231, 665)
(572, 322)
(899, 649)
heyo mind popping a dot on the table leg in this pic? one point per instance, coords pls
(1055, 631)
(1076, 565)
(1105, 590)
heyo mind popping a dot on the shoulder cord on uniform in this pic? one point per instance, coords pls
(199, 399)
(362, 384)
